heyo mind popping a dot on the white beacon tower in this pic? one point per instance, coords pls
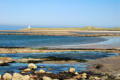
(29, 27)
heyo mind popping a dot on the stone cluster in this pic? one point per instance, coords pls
(30, 73)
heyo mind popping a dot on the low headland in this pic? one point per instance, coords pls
(76, 31)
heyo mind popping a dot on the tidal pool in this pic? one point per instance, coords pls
(15, 67)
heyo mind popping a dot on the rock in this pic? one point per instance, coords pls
(76, 73)
(7, 76)
(0, 77)
(5, 60)
(77, 77)
(49, 72)
(26, 77)
(72, 70)
(32, 66)
(117, 76)
(41, 66)
(42, 71)
(30, 60)
(17, 76)
(94, 78)
(71, 79)
(84, 75)
(55, 79)
(27, 70)
(47, 78)
(104, 77)
(49, 69)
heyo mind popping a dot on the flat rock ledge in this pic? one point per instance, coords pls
(5, 60)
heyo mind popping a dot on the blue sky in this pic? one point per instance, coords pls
(64, 13)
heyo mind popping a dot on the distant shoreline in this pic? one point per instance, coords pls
(61, 33)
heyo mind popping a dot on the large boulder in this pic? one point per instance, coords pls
(32, 66)
(17, 76)
(7, 76)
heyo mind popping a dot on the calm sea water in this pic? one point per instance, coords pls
(14, 67)
(40, 41)
(8, 27)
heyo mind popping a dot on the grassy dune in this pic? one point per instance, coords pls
(88, 28)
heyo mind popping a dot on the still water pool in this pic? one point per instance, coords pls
(37, 41)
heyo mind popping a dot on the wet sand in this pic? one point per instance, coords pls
(29, 50)
(108, 65)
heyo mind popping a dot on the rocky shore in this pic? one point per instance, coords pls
(5, 60)
(30, 73)
(100, 69)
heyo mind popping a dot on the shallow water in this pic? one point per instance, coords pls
(40, 41)
(14, 67)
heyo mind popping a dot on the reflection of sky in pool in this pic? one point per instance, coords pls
(14, 67)
(111, 42)
(72, 55)
(40, 41)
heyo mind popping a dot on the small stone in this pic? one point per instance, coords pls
(84, 75)
(0, 77)
(32, 66)
(76, 73)
(94, 78)
(72, 70)
(7, 76)
(41, 66)
(49, 72)
(77, 77)
(49, 69)
(46, 78)
(71, 79)
(41, 71)
(27, 70)
(55, 79)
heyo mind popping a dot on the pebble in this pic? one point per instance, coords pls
(32, 66)
(72, 70)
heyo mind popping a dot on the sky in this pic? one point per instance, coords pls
(60, 13)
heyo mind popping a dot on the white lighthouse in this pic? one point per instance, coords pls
(29, 26)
